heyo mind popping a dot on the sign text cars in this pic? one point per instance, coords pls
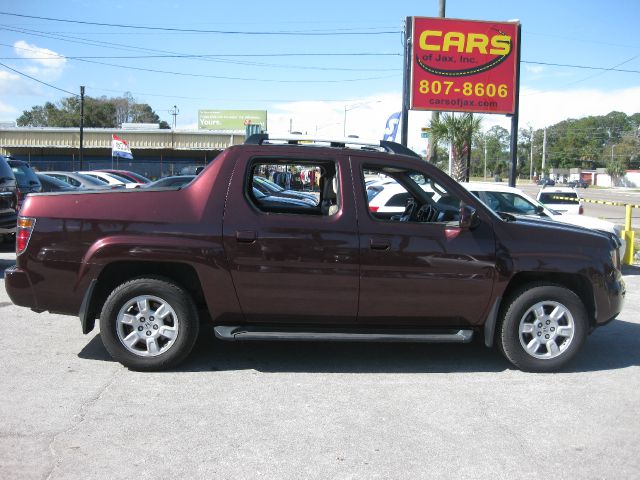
(463, 65)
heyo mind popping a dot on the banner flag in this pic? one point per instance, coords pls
(391, 129)
(120, 148)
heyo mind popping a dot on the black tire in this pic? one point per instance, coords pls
(156, 343)
(561, 319)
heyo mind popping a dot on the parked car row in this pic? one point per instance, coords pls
(8, 200)
(18, 179)
(549, 182)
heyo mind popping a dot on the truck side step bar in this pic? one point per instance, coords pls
(252, 332)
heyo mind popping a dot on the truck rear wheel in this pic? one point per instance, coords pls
(543, 327)
(149, 324)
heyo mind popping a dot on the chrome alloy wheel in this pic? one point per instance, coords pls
(546, 329)
(147, 326)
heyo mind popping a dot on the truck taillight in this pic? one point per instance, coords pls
(581, 210)
(25, 228)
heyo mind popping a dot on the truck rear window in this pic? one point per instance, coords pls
(560, 198)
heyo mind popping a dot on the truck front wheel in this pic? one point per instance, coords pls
(543, 327)
(149, 324)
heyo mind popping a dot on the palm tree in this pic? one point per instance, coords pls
(459, 131)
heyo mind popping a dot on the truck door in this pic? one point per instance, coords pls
(418, 268)
(290, 236)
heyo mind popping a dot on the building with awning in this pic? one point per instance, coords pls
(156, 152)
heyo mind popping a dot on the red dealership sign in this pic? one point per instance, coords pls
(464, 65)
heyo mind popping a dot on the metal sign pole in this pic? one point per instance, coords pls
(406, 87)
(513, 154)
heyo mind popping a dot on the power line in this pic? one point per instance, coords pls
(223, 77)
(170, 54)
(583, 66)
(211, 57)
(221, 58)
(587, 78)
(192, 30)
(39, 81)
(120, 46)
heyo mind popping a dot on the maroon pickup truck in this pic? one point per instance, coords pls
(276, 240)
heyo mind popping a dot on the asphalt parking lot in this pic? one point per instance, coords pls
(314, 410)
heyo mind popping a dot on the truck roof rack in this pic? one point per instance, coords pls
(294, 139)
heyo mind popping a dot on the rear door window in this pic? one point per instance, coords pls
(294, 187)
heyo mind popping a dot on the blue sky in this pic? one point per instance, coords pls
(281, 72)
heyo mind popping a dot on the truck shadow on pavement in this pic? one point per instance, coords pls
(613, 347)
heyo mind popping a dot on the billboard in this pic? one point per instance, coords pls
(231, 121)
(463, 65)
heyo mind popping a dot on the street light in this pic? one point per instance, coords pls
(353, 106)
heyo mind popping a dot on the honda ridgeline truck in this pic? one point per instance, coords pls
(156, 266)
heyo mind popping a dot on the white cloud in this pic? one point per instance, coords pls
(6, 111)
(367, 116)
(46, 63)
(42, 63)
(535, 69)
(541, 108)
(12, 84)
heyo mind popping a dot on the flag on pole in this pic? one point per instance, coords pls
(391, 128)
(120, 148)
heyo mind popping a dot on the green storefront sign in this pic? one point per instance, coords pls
(231, 121)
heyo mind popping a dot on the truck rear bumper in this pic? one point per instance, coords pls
(19, 288)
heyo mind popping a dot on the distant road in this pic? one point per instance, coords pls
(606, 212)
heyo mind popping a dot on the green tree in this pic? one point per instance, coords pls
(99, 112)
(497, 139)
(459, 131)
(615, 169)
(525, 142)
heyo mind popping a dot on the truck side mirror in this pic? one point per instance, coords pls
(468, 217)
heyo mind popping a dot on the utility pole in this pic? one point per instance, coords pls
(435, 116)
(531, 155)
(81, 126)
(485, 158)
(544, 151)
(174, 111)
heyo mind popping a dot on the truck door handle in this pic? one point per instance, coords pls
(379, 244)
(246, 236)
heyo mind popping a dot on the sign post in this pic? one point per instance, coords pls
(462, 66)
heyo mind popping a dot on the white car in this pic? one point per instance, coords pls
(387, 199)
(561, 199)
(110, 179)
(501, 198)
